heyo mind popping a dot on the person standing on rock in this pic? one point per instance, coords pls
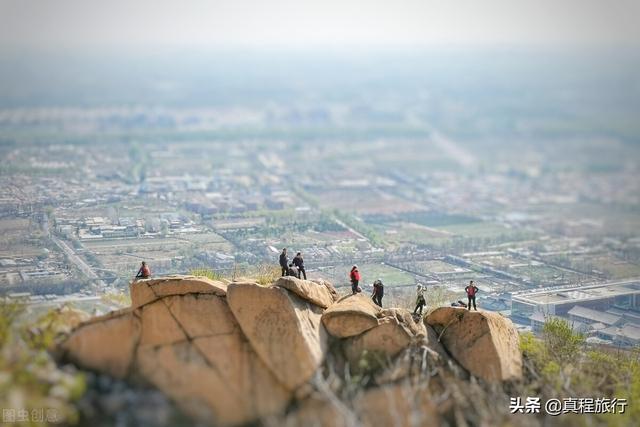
(284, 261)
(378, 292)
(471, 295)
(144, 272)
(354, 275)
(298, 261)
(420, 301)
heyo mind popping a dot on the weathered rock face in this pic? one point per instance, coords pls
(351, 316)
(106, 343)
(186, 342)
(366, 327)
(404, 317)
(233, 353)
(284, 329)
(214, 375)
(484, 343)
(144, 291)
(387, 339)
(319, 294)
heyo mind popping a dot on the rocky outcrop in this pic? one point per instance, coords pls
(366, 327)
(106, 343)
(144, 291)
(405, 317)
(386, 339)
(183, 338)
(282, 327)
(351, 316)
(485, 343)
(236, 353)
(320, 293)
(217, 376)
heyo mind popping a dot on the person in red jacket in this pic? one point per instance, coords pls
(144, 271)
(354, 275)
(471, 295)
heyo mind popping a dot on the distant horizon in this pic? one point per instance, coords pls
(285, 24)
(323, 49)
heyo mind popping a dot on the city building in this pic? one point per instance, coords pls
(559, 301)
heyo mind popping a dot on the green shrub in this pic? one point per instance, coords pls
(29, 374)
(561, 342)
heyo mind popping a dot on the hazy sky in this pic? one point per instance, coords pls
(119, 23)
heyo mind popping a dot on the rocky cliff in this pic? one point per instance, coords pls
(234, 353)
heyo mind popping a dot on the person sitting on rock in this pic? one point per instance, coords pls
(299, 262)
(420, 301)
(354, 276)
(293, 271)
(378, 292)
(471, 295)
(144, 271)
(284, 261)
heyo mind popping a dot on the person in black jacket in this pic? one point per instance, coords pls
(292, 271)
(284, 261)
(298, 261)
(378, 292)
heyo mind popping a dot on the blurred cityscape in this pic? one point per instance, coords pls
(519, 172)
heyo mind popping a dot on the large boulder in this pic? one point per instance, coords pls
(318, 293)
(332, 290)
(187, 344)
(387, 339)
(284, 329)
(351, 315)
(105, 343)
(483, 342)
(144, 291)
(217, 378)
(396, 330)
(160, 326)
(406, 318)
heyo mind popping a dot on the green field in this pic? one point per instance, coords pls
(390, 276)
(411, 233)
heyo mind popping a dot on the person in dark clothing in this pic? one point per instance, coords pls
(420, 301)
(298, 261)
(378, 292)
(292, 271)
(471, 295)
(284, 261)
(144, 271)
(354, 276)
